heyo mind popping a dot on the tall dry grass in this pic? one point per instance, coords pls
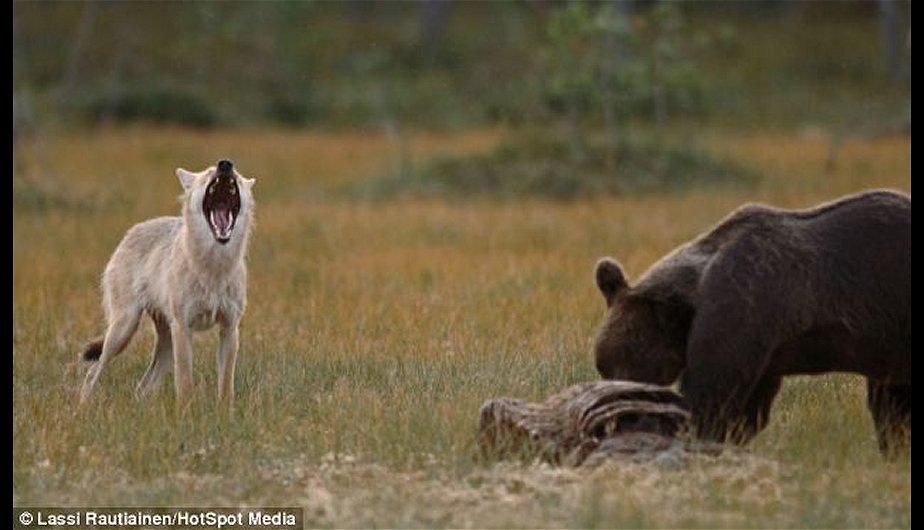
(375, 330)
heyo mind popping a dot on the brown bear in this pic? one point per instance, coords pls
(768, 293)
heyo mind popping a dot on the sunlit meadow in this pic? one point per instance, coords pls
(374, 331)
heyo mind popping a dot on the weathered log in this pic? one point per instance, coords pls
(600, 418)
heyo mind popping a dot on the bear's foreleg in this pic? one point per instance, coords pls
(722, 410)
(725, 383)
(890, 406)
(757, 411)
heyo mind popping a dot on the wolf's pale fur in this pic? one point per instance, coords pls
(174, 269)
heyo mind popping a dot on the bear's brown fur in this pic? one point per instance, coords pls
(765, 294)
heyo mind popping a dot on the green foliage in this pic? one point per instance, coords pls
(301, 63)
(603, 63)
(288, 110)
(150, 103)
(599, 67)
(544, 166)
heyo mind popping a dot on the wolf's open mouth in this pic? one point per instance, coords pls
(221, 205)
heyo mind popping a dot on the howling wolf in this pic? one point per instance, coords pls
(188, 274)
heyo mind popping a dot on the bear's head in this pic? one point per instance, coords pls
(644, 332)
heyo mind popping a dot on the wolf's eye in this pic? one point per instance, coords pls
(211, 190)
(233, 191)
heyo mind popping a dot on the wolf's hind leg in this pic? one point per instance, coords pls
(121, 328)
(161, 359)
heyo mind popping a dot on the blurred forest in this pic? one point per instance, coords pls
(602, 82)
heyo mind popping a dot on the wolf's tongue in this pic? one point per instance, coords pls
(222, 220)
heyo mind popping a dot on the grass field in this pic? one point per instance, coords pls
(374, 331)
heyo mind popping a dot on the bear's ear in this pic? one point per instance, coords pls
(610, 279)
(187, 178)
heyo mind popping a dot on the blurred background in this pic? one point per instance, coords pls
(592, 96)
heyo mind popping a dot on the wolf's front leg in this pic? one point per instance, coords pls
(182, 361)
(227, 358)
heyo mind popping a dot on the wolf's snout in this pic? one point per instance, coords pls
(225, 166)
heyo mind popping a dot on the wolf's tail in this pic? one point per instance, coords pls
(93, 349)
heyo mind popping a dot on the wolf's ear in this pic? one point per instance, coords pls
(610, 279)
(187, 178)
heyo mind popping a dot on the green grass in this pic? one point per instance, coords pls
(535, 165)
(375, 330)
